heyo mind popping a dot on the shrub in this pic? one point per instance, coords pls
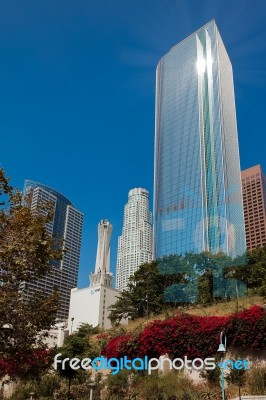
(256, 381)
(118, 385)
(192, 336)
(44, 388)
(171, 386)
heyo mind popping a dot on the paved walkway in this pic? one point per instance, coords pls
(251, 398)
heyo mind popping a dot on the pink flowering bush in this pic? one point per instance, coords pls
(192, 336)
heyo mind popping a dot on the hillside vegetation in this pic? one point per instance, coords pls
(218, 309)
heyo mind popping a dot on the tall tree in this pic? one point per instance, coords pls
(26, 254)
(144, 294)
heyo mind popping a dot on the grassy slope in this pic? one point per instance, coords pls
(223, 308)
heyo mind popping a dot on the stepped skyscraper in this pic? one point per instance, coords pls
(135, 243)
(66, 225)
(197, 187)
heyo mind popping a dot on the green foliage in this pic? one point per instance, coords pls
(170, 386)
(146, 288)
(179, 278)
(191, 278)
(206, 288)
(256, 274)
(79, 345)
(212, 376)
(253, 272)
(51, 386)
(145, 294)
(123, 308)
(26, 252)
(87, 330)
(26, 247)
(43, 388)
(118, 384)
(237, 377)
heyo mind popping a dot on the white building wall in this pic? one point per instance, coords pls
(109, 297)
(56, 335)
(90, 305)
(84, 307)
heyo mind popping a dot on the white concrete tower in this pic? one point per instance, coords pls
(102, 273)
(135, 243)
(91, 304)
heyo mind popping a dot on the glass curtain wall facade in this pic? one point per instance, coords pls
(197, 188)
(67, 225)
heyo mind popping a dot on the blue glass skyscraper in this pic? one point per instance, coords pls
(197, 188)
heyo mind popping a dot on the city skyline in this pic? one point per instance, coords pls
(77, 95)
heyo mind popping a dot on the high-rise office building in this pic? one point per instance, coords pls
(197, 187)
(254, 200)
(67, 225)
(135, 243)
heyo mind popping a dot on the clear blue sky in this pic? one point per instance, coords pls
(77, 86)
